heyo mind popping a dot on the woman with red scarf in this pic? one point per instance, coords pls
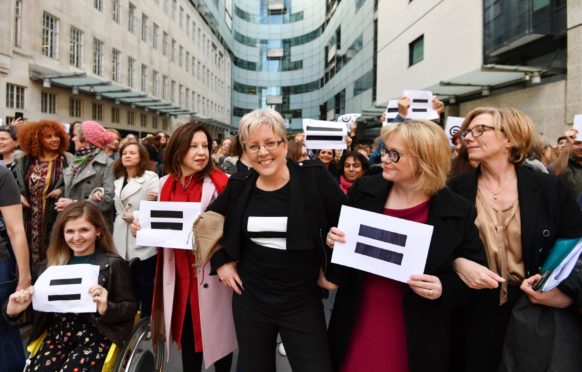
(353, 166)
(190, 306)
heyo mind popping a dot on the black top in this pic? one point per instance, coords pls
(9, 195)
(270, 272)
(314, 205)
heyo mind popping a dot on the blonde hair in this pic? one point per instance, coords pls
(517, 127)
(429, 145)
(256, 118)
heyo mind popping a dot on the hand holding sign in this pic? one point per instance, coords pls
(19, 301)
(99, 296)
(65, 289)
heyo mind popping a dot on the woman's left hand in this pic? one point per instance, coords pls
(427, 286)
(324, 283)
(553, 298)
(99, 296)
(152, 196)
(55, 194)
(97, 196)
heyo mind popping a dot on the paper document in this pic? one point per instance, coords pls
(324, 134)
(348, 120)
(391, 247)
(167, 224)
(391, 112)
(420, 105)
(453, 127)
(65, 289)
(578, 126)
(565, 265)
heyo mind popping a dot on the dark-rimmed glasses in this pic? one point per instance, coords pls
(269, 146)
(393, 155)
(478, 130)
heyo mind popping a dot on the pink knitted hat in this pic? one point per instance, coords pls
(96, 135)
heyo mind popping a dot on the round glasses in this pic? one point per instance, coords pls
(393, 155)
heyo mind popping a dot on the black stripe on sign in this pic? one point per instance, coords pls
(383, 235)
(166, 214)
(66, 281)
(419, 110)
(420, 100)
(66, 297)
(379, 253)
(392, 109)
(167, 225)
(323, 138)
(323, 129)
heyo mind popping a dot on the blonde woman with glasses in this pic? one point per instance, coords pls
(272, 250)
(379, 324)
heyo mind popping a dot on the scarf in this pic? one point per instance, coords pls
(84, 156)
(345, 185)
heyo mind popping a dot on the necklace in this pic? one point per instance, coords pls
(188, 183)
(496, 194)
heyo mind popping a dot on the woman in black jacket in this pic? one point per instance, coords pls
(82, 340)
(379, 324)
(520, 213)
(273, 251)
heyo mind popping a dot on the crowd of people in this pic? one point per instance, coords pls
(496, 196)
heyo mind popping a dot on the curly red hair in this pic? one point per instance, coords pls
(29, 136)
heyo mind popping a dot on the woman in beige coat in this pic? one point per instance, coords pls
(133, 184)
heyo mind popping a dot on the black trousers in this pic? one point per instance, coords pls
(142, 278)
(192, 361)
(302, 328)
(480, 328)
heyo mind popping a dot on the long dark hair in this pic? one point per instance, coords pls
(179, 145)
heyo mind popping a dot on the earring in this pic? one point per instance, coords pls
(98, 236)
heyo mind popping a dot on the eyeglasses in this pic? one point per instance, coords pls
(393, 155)
(478, 130)
(269, 146)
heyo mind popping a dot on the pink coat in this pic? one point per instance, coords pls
(214, 300)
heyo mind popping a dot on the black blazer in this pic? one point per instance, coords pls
(547, 211)
(428, 322)
(314, 206)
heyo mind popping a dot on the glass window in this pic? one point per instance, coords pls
(75, 105)
(18, 24)
(116, 64)
(363, 83)
(115, 114)
(48, 102)
(96, 111)
(117, 11)
(539, 4)
(76, 47)
(144, 78)
(144, 27)
(98, 4)
(155, 36)
(130, 72)
(416, 51)
(131, 18)
(155, 78)
(50, 36)
(98, 57)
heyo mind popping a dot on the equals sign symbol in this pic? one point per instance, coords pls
(65, 297)
(170, 224)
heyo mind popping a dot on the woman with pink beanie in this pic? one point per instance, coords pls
(90, 176)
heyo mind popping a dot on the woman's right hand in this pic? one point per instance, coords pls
(229, 277)
(127, 217)
(24, 202)
(476, 276)
(334, 235)
(134, 227)
(19, 301)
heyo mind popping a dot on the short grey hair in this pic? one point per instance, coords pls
(256, 118)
